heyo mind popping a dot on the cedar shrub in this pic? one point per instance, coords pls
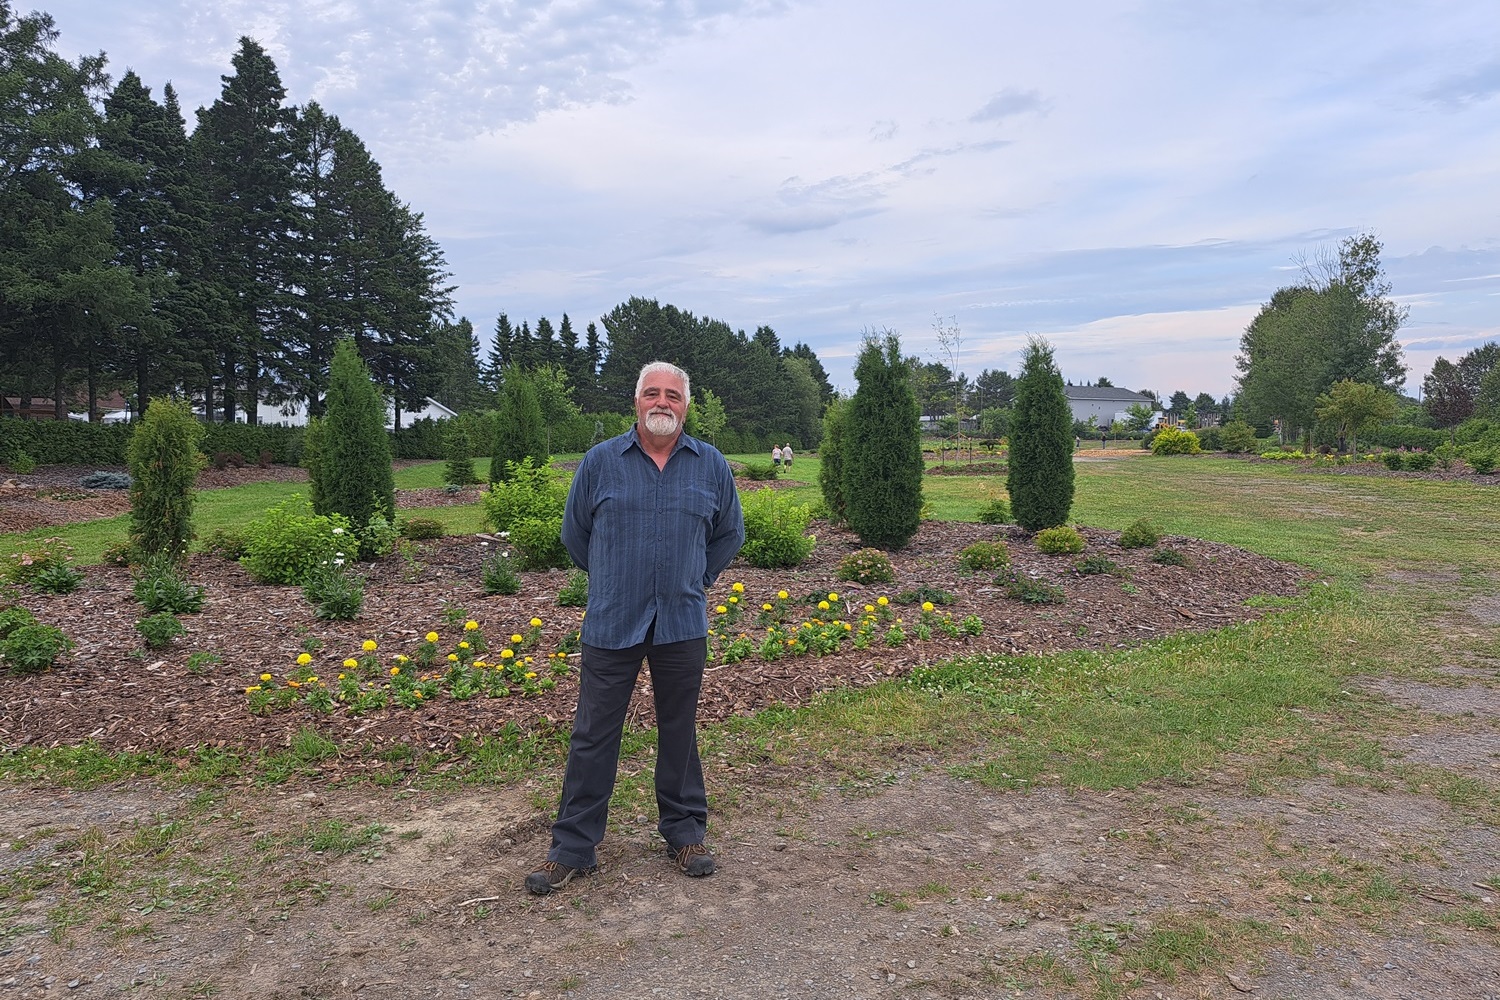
(1040, 477)
(882, 450)
(351, 471)
(164, 463)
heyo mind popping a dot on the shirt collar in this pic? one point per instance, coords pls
(684, 440)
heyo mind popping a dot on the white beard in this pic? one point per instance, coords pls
(661, 424)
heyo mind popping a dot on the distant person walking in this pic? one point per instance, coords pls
(786, 456)
(775, 456)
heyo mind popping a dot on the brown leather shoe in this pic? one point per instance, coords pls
(694, 861)
(554, 875)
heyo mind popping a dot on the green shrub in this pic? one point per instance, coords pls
(1483, 462)
(225, 543)
(1059, 541)
(30, 649)
(1175, 441)
(519, 431)
(59, 578)
(774, 529)
(1040, 474)
(1140, 534)
(22, 464)
(14, 617)
(161, 586)
(1420, 461)
(25, 566)
(160, 629)
(1096, 565)
(984, 555)
(289, 541)
(831, 461)
(526, 491)
(1210, 438)
(882, 448)
(538, 542)
(994, 511)
(119, 554)
(334, 592)
(164, 464)
(1394, 460)
(459, 470)
(1170, 557)
(1238, 438)
(923, 594)
(106, 481)
(1020, 587)
(760, 471)
(378, 537)
(574, 593)
(498, 575)
(866, 566)
(420, 529)
(352, 469)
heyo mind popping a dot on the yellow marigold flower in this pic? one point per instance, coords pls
(369, 646)
(720, 609)
(402, 657)
(255, 687)
(882, 601)
(417, 695)
(452, 657)
(351, 663)
(733, 599)
(395, 671)
(781, 594)
(470, 625)
(293, 684)
(463, 645)
(303, 659)
(926, 605)
(432, 637)
(515, 638)
(507, 654)
(833, 597)
(536, 623)
(265, 677)
(765, 607)
(822, 605)
(341, 676)
(848, 627)
(738, 588)
(530, 675)
(869, 607)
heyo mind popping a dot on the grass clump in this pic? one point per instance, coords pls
(160, 586)
(574, 593)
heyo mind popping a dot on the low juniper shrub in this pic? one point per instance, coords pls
(984, 556)
(1170, 557)
(106, 481)
(1140, 534)
(1059, 541)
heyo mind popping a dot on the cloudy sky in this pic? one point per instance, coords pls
(1128, 180)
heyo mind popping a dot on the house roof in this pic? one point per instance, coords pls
(1104, 394)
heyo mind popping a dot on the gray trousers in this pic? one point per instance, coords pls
(608, 678)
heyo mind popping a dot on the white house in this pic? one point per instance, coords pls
(294, 414)
(1106, 404)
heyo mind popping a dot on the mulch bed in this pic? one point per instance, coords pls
(112, 691)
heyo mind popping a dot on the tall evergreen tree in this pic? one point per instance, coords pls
(353, 467)
(882, 448)
(1040, 477)
(521, 432)
(456, 357)
(831, 459)
(500, 357)
(163, 456)
(545, 350)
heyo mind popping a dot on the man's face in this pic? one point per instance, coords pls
(661, 407)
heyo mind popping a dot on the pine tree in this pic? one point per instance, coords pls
(882, 448)
(521, 432)
(163, 456)
(353, 465)
(1040, 478)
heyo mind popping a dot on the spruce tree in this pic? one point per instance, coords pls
(882, 450)
(164, 463)
(460, 468)
(521, 432)
(831, 460)
(1040, 478)
(353, 462)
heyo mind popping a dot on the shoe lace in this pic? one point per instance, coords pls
(689, 851)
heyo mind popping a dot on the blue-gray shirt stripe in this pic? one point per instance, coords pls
(651, 540)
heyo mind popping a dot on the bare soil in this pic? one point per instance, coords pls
(831, 884)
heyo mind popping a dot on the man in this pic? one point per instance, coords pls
(653, 517)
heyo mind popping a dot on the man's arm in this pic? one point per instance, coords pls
(578, 516)
(728, 530)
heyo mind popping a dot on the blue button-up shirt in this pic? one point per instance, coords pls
(651, 540)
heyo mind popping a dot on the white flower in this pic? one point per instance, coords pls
(338, 562)
(505, 554)
(338, 531)
(485, 544)
(339, 554)
(504, 534)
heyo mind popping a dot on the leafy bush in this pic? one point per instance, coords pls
(119, 554)
(161, 586)
(334, 592)
(164, 465)
(1210, 438)
(421, 528)
(984, 555)
(866, 566)
(27, 564)
(760, 471)
(22, 464)
(14, 617)
(1394, 460)
(1140, 534)
(1175, 441)
(574, 593)
(1096, 565)
(1238, 438)
(1170, 557)
(1420, 461)
(106, 481)
(1024, 588)
(538, 542)
(995, 511)
(289, 541)
(160, 629)
(1058, 541)
(30, 649)
(1483, 462)
(59, 578)
(377, 538)
(774, 529)
(498, 575)
(527, 491)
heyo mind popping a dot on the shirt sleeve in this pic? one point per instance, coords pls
(578, 516)
(727, 533)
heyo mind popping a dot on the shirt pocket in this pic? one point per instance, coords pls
(700, 504)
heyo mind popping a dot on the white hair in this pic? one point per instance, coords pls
(670, 369)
